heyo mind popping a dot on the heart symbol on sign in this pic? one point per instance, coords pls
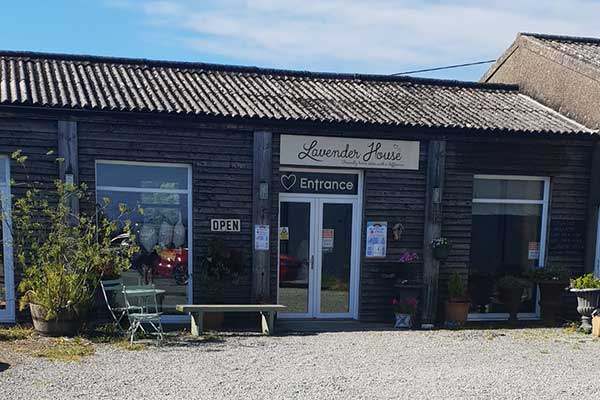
(288, 181)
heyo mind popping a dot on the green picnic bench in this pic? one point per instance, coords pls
(197, 311)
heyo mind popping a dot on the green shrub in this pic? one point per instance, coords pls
(63, 255)
(508, 282)
(456, 288)
(588, 281)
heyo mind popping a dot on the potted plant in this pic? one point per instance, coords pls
(404, 310)
(552, 281)
(457, 306)
(510, 291)
(221, 268)
(441, 248)
(587, 289)
(62, 255)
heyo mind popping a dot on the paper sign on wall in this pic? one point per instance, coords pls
(284, 233)
(533, 251)
(261, 237)
(328, 236)
(376, 239)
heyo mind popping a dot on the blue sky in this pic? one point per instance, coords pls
(377, 36)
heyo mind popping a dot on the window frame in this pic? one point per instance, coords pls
(189, 192)
(544, 202)
(8, 315)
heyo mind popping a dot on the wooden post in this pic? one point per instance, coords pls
(68, 150)
(436, 163)
(593, 204)
(261, 212)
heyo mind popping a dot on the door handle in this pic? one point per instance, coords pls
(312, 262)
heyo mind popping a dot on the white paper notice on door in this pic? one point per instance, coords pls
(261, 237)
(376, 239)
(328, 235)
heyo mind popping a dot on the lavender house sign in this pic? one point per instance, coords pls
(348, 152)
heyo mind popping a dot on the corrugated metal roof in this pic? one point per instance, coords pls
(582, 48)
(137, 85)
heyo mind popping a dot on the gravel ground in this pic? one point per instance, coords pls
(468, 364)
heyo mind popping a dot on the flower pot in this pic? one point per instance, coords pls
(511, 298)
(587, 302)
(441, 253)
(213, 321)
(67, 323)
(403, 321)
(457, 312)
(551, 293)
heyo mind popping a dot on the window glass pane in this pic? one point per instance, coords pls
(336, 253)
(508, 189)
(505, 240)
(142, 176)
(161, 230)
(294, 256)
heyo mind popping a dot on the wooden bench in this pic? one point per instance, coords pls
(197, 311)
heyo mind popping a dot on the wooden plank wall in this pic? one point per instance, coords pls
(221, 162)
(35, 137)
(392, 196)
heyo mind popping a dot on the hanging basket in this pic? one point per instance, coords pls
(441, 253)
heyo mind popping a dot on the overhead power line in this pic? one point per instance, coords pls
(446, 67)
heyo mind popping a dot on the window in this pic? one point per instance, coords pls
(7, 294)
(507, 237)
(159, 197)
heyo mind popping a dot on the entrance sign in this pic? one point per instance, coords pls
(349, 152)
(225, 225)
(376, 239)
(315, 182)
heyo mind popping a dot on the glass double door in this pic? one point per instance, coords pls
(317, 257)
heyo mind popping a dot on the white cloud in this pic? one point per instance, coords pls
(380, 36)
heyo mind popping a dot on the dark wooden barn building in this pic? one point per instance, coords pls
(322, 181)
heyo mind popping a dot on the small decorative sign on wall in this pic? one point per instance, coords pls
(349, 152)
(225, 225)
(376, 239)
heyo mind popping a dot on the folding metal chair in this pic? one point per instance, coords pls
(149, 314)
(118, 312)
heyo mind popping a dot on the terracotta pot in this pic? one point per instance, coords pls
(457, 312)
(213, 321)
(512, 301)
(67, 323)
(587, 302)
(551, 293)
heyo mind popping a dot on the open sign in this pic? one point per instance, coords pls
(225, 225)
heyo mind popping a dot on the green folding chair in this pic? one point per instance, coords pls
(112, 290)
(149, 316)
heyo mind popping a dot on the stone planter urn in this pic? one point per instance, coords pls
(587, 302)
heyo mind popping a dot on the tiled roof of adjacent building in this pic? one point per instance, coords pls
(583, 48)
(139, 85)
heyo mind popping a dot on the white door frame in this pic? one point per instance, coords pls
(8, 314)
(316, 202)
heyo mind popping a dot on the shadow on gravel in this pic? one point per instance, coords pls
(4, 366)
